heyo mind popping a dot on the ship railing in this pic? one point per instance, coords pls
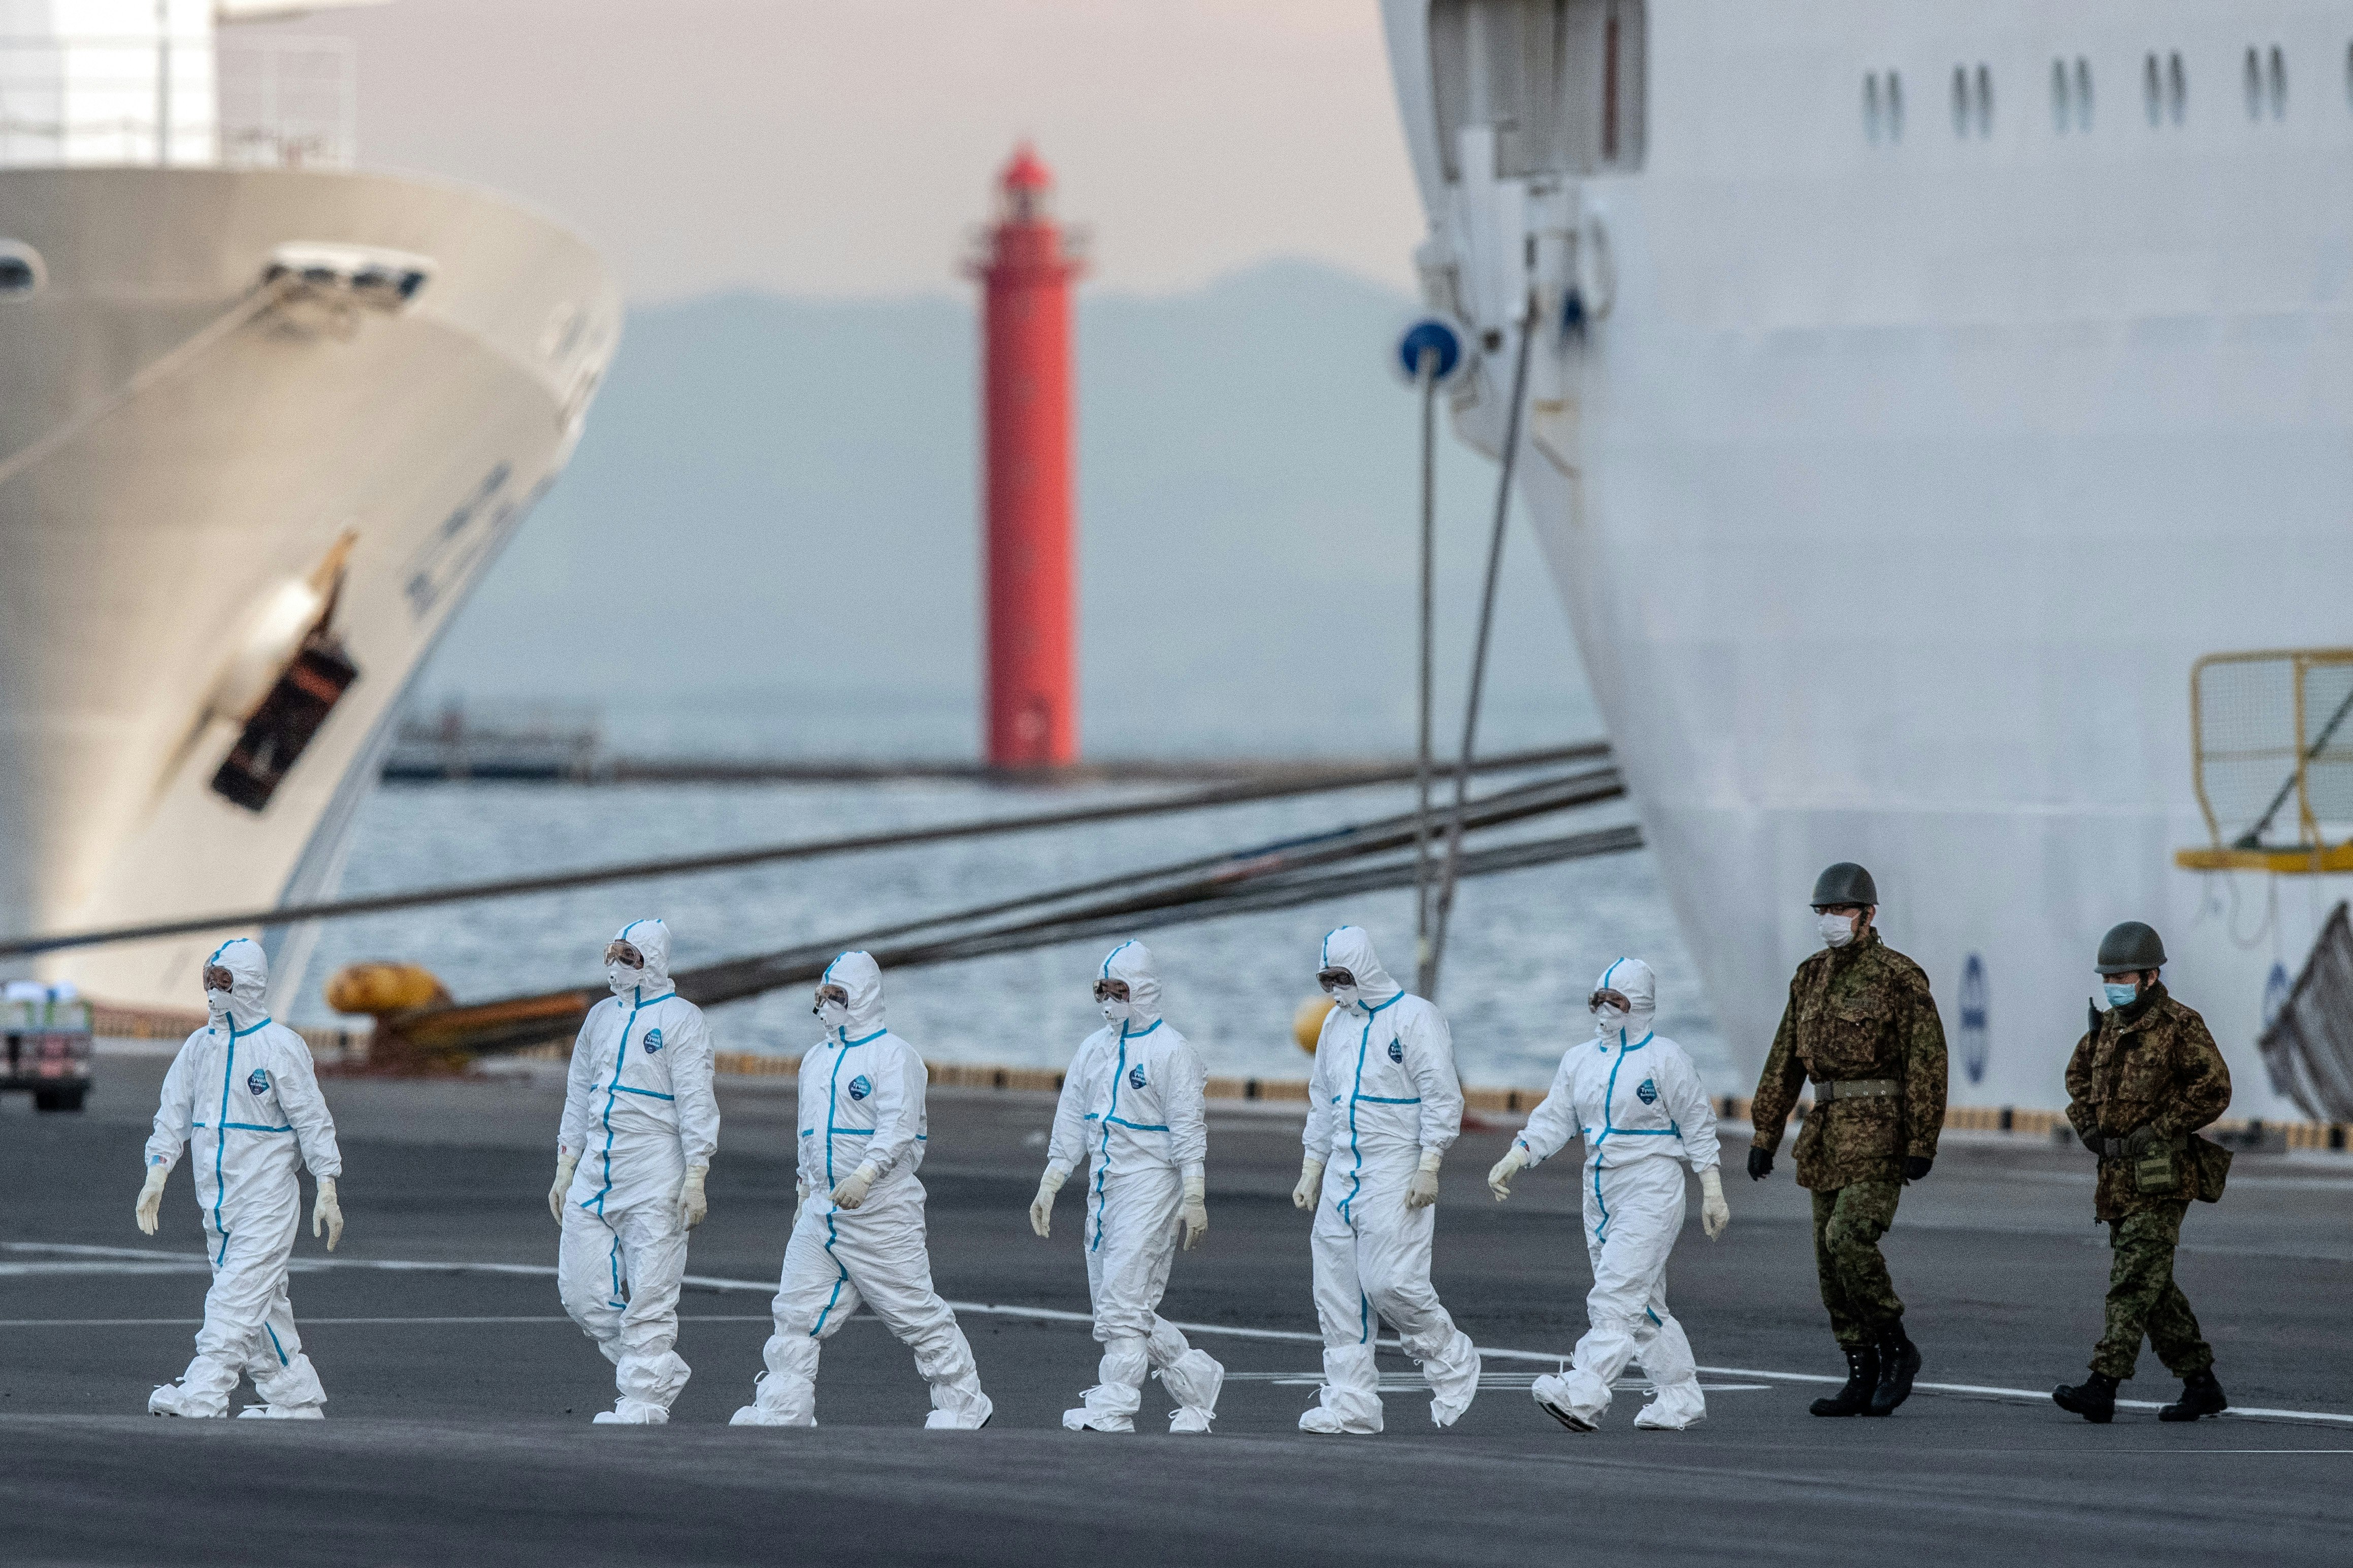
(2271, 746)
(267, 102)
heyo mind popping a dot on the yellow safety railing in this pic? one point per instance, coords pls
(2272, 755)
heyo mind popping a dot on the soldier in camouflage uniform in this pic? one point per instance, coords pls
(2142, 1079)
(1862, 1025)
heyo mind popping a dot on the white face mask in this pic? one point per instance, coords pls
(1344, 996)
(1608, 1020)
(1837, 930)
(623, 979)
(832, 1014)
(1116, 1010)
(217, 1002)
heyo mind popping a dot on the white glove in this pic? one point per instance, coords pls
(801, 1196)
(852, 1190)
(1311, 1184)
(150, 1209)
(1714, 1215)
(1041, 1208)
(1422, 1191)
(691, 1204)
(564, 1165)
(1499, 1179)
(326, 1215)
(1197, 1207)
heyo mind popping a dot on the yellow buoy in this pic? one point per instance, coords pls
(1307, 1024)
(377, 989)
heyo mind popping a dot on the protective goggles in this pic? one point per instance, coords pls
(1333, 978)
(1107, 989)
(836, 995)
(625, 953)
(218, 978)
(1615, 998)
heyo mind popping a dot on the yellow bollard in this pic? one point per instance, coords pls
(1307, 1024)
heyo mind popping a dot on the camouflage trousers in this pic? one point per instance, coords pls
(1848, 1223)
(2144, 1299)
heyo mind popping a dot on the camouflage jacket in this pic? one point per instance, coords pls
(1856, 1012)
(2149, 1065)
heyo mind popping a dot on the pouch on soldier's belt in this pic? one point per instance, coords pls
(2211, 1163)
(2154, 1175)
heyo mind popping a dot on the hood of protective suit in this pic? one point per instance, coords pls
(1631, 978)
(1132, 961)
(858, 974)
(650, 938)
(249, 969)
(1351, 949)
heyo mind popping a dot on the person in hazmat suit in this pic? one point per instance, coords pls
(241, 1093)
(641, 1123)
(1131, 1103)
(859, 1236)
(1635, 1098)
(2145, 1077)
(1383, 1107)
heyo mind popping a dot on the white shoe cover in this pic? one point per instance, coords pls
(632, 1413)
(176, 1399)
(1551, 1394)
(753, 1416)
(1188, 1418)
(971, 1417)
(1454, 1380)
(1677, 1407)
(1327, 1423)
(1084, 1420)
(281, 1413)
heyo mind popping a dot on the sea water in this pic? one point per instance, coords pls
(1523, 951)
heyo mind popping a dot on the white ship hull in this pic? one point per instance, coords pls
(1896, 484)
(150, 505)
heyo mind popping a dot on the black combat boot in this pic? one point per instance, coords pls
(2200, 1395)
(2093, 1399)
(1899, 1362)
(1861, 1377)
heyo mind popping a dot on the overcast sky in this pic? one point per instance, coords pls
(846, 146)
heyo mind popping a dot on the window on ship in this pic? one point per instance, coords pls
(1562, 81)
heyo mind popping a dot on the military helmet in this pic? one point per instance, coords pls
(2129, 948)
(1845, 883)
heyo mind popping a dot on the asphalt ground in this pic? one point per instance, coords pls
(459, 1393)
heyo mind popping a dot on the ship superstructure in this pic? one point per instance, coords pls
(263, 423)
(1917, 392)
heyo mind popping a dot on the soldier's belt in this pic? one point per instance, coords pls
(1857, 1089)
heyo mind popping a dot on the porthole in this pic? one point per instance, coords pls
(21, 272)
(2152, 89)
(2176, 88)
(1883, 107)
(2063, 97)
(1972, 101)
(2275, 79)
(2082, 93)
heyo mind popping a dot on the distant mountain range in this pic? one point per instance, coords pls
(768, 541)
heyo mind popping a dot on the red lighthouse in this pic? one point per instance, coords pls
(1025, 396)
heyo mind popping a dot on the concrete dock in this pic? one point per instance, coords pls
(459, 1393)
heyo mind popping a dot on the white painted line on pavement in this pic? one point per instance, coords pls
(149, 1258)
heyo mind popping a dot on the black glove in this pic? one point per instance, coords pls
(1916, 1166)
(1760, 1164)
(2096, 1143)
(2141, 1139)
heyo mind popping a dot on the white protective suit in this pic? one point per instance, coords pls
(242, 1096)
(1383, 1094)
(1131, 1103)
(637, 1110)
(1635, 1098)
(862, 1109)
